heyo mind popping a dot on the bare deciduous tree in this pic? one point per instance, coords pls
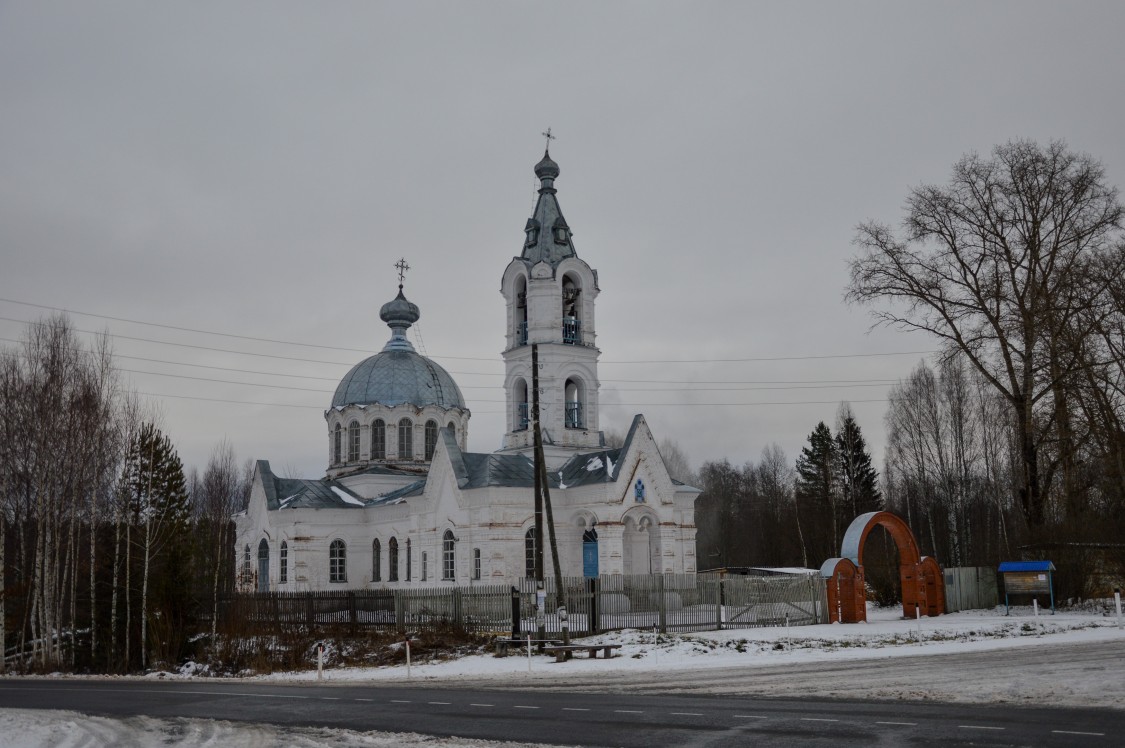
(1012, 263)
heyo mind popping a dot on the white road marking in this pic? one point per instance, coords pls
(818, 719)
(400, 701)
(574, 709)
(364, 699)
(517, 706)
(980, 727)
(482, 705)
(438, 703)
(329, 698)
(627, 711)
(1076, 732)
(905, 724)
(688, 714)
(748, 716)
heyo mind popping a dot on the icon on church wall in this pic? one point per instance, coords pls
(639, 490)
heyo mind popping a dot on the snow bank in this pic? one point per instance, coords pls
(42, 728)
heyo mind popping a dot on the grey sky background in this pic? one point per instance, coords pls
(257, 169)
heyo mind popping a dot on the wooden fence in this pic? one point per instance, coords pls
(668, 602)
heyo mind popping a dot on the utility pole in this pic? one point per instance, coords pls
(538, 437)
(543, 491)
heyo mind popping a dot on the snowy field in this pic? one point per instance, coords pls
(700, 661)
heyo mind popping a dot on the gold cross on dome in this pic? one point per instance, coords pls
(549, 137)
(402, 268)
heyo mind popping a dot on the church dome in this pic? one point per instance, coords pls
(398, 374)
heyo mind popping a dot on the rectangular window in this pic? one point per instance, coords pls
(424, 566)
(283, 572)
(476, 563)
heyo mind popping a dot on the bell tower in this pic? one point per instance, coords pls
(549, 292)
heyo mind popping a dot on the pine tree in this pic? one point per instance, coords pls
(818, 493)
(859, 482)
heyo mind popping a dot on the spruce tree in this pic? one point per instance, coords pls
(160, 510)
(859, 482)
(818, 493)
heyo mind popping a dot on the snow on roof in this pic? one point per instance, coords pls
(346, 496)
(595, 463)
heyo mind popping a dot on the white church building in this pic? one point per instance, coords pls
(402, 504)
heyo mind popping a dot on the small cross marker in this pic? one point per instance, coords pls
(402, 268)
(549, 138)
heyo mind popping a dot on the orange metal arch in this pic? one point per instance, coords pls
(923, 587)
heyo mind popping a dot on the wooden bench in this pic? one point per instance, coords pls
(502, 646)
(564, 652)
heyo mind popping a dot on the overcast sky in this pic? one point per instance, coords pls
(256, 169)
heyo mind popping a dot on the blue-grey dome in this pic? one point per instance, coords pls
(394, 377)
(398, 374)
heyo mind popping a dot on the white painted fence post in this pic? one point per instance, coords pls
(1117, 602)
(408, 656)
(1035, 606)
(319, 663)
(529, 653)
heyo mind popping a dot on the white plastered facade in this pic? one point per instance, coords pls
(464, 518)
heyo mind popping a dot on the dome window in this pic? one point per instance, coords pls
(431, 439)
(379, 440)
(405, 439)
(353, 441)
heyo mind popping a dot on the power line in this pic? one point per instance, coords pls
(826, 382)
(456, 358)
(489, 387)
(181, 329)
(496, 412)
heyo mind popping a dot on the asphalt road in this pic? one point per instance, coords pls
(579, 717)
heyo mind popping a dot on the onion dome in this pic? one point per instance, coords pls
(398, 374)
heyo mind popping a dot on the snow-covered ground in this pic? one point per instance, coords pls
(697, 661)
(36, 728)
(886, 634)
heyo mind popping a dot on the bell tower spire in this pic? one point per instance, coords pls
(550, 295)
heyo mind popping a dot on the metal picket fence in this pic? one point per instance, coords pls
(664, 602)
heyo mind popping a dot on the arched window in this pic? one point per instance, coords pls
(246, 570)
(447, 555)
(379, 440)
(575, 399)
(263, 566)
(336, 439)
(283, 564)
(523, 408)
(571, 310)
(337, 562)
(529, 553)
(431, 439)
(405, 439)
(392, 560)
(521, 308)
(353, 441)
(376, 561)
(408, 559)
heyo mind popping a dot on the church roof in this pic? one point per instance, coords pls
(547, 237)
(398, 375)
